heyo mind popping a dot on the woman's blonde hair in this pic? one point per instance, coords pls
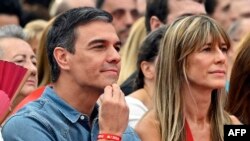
(129, 51)
(43, 67)
(34, 31)
(183, 37)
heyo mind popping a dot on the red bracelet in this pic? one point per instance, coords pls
(109, 137)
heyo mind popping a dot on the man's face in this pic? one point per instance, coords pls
(80, 3)
(241, 31)
(183, 7)
(96, 61)
(239, 9)
(221, 13)
(124, 12)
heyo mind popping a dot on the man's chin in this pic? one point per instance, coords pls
(111, 81)
(123, 37)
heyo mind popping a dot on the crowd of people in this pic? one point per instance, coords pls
(131, 70)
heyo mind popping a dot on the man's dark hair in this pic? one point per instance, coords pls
(99, 4)
(11, 7)
(158, 8)
(63, 32)
(210, 6)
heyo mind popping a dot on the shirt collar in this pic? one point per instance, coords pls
(67, 110)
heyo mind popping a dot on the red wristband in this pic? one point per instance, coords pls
(109, 137)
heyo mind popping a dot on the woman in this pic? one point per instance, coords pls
(239, 91)
(43, 68)
(14, 48)
(190, 79)
(140, 101)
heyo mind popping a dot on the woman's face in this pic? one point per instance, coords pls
(18, 51)
(206, 68)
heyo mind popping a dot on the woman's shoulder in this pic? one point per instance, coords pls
(235, 120)
(148, 128)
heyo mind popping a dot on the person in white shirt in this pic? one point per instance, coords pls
(141, 100)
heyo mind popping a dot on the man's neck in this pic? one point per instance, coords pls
(82, 100)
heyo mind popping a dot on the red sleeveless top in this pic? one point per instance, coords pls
(189, 136)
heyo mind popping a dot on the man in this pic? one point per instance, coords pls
(239, 9)
(160, 12)
(60, 6)
(124, 12)
(82, 48)
(220, 11)
(237, 32)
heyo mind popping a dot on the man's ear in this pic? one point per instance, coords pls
(155, 23)
(61, 56)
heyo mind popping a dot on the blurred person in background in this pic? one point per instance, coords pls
(141, 100)
(124, 12)
(34, 31)
(239, 9)
(220, 11)
(15, 48)
(60, 6)
(35, 9)
(43, 69)
(141, 6)
(237, 32)
(10, 12)
(239, 91)
(160, 12)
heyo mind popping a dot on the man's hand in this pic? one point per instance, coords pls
(113, 112)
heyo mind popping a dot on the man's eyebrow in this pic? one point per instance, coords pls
(102, 41)
(96, 41)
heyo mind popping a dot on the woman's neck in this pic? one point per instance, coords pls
(196, 104)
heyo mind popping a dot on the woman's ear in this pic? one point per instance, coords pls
(148, 69)
(61, 56)
(155, 23)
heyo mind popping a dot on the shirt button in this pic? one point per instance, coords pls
(82, 117)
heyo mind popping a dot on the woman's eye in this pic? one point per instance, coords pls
(18, 61)
(206, 49)
(34, 63)
(224, 49)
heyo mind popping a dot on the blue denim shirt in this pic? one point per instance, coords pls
(51, 119)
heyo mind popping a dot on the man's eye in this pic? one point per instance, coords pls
(99, 46)
(118, 13)
(135, 14)
(117, 48)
